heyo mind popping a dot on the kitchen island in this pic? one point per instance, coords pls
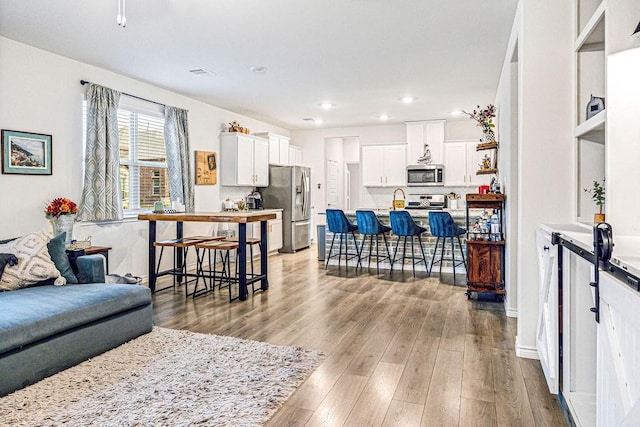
(421, 217)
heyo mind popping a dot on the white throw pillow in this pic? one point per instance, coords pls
(34, 263)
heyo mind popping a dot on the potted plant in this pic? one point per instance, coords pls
(598, 196)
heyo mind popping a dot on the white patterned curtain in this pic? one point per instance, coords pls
(101, 199)
(176, 139)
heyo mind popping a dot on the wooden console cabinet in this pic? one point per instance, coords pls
(485, 257)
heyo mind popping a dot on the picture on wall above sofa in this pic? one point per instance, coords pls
(26, 153)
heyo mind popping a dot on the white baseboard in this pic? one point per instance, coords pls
(511, 312)
(526, 352)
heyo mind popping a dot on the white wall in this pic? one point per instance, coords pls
(507, 131)
(545, 141)
(41, 93)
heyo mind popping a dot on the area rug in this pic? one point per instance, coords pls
(167, 377)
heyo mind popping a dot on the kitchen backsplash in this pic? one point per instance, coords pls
(374, 197)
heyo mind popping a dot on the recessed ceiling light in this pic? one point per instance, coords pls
(318, 121)
(327, 105)
(456, 113)
(408, 99)
(259, 69)
(383, 117)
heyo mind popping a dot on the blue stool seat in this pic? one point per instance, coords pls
(443, 226)
(338, 223)
(370, 225)
(403, 225)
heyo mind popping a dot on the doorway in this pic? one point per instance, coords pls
(352, 186)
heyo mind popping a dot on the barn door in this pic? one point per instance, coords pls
(547, 329)
(618, 377)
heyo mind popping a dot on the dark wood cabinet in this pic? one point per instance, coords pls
(485, 256)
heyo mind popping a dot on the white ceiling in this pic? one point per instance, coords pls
(360, 55)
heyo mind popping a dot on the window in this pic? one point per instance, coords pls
(143, 160)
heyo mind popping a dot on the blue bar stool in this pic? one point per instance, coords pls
(338, 223)
(443, 226)
(403, 225)
(370, 225)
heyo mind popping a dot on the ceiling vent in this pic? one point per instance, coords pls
(201, 72)
(308, 119)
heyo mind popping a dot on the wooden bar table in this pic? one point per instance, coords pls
(240, 218)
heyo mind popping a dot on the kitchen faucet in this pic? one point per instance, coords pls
(398, 203)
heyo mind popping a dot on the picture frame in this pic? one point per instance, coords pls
(26, 153)
(206, 168)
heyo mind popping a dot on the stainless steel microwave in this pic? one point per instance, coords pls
(425, 175)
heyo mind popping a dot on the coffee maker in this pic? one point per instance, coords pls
(254, 200)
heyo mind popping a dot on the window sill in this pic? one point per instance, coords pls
(128, 217)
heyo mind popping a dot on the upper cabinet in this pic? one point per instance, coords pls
(384, 165)
(462, 161)
(295, 155)
(278, 148)
(590, 88)
(244, 160)
(425, 132)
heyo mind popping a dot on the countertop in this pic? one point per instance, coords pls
(416, 213)
(225, 216)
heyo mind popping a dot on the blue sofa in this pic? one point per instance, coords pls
(45, 329)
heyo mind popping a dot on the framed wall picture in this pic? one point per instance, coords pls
(26, 153)
(206, 168)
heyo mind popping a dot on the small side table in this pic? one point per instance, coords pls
(101, 250)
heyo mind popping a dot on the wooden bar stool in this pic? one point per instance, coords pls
(251, 242)
(183, 245)
(219, 246)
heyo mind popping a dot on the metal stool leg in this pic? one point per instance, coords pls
(386, 245)
(453, 260)
(462, 253)
(413, 258)
(433, 258)
(424, 258)
(444, 243)
(395, 252)
(330, 249)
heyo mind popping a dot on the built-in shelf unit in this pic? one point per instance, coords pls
(590, 134)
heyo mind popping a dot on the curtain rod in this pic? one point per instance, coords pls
(84, 82)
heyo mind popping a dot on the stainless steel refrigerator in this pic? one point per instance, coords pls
(290, 189)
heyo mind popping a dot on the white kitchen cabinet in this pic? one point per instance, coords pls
(547, 328)
(461, 162)
(275, 233)
(425, 132)
(244, 160)
(383, 165)
(278, 148)
(295, 155)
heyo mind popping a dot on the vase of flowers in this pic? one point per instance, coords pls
(484, 117)
(62, 214)
(598, 196)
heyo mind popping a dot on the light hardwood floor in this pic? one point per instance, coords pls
(399, 351)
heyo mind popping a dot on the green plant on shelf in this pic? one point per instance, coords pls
(597, 194)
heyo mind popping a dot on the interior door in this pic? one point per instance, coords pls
(547, 328)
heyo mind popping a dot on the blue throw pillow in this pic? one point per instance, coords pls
(57, 251)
